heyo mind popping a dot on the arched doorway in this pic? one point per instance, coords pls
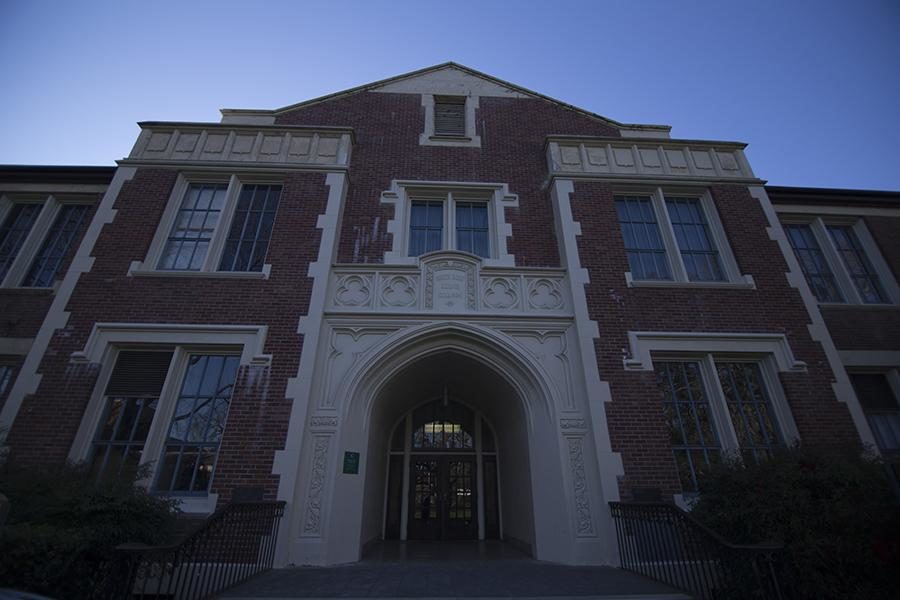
(443, 479)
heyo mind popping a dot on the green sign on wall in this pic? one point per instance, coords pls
(351, 463)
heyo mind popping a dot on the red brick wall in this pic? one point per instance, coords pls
(258, 417)
(636, 422)
(387, 128)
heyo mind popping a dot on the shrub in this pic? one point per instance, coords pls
(832, 510)
(63, 527)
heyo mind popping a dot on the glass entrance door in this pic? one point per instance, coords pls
(442, 498)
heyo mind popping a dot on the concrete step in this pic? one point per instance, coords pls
(441, 580)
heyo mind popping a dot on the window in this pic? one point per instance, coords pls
(714, 406)
(6, 372)
(466, 214)
(56, 245)
(216, 226)
(15, 229)
(197, 426)
(450, 116)
(840, 261)
(677, 239)
(879, 403)
(36, 235)
(136, 405)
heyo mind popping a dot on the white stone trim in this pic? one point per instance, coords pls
(849, 211)
(251, 338)
(597, 391)
(428, 137)
(870, 358)
(28, 380)
(818, 331)
(643, 343)
(500, 198)
(210, 267)
(287, 462)
(15, 346)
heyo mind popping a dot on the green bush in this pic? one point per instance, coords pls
(832, 510)
(63, 527)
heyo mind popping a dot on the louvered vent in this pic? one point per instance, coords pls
(450, 115)
(139, 373)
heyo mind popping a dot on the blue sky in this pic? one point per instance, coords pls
(812, 86)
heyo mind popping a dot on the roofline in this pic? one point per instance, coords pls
(825, 195)
(381, 82)
(86, 174)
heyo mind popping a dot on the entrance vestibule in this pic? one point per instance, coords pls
(442, 480)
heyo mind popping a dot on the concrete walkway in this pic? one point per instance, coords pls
(427, 572)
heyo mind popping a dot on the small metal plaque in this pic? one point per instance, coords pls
(351, 463)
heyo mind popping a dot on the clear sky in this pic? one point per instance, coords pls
(812, 86)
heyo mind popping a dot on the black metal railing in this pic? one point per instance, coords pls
(234, 544)
(665, 543)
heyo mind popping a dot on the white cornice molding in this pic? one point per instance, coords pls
(643, 343)
(251, 338)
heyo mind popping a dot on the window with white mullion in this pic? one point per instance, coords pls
(56, 245)
(14, 231)
(647, 255)
(813, 263)
(188, 243)
(838, 267)
(862, 274)
(471, 225)
(695, 241)
(750, 408)
(426, 226)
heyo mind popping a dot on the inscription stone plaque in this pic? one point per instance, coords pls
(450, 289)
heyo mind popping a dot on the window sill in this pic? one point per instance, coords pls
(746, 284)
(857, 306)
(36, 291)
(194, 505)
(450, 140)
(137, 270)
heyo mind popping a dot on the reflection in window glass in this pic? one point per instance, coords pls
(857, 263)
(56, 245)
(643, 242)
(813, 264)
(197, 424)
(15, 229)
(472, 228)
(701, 258)
(689, 419)
(750, 409)
(251, 228)
(195, 223)
(426, 227)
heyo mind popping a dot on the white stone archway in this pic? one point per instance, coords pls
(336, 514)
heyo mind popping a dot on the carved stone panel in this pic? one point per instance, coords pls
(399, 291)
(450, 286)
(312, 518)
(584, 524)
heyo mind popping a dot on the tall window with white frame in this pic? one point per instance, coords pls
(197, 425)
(14, 230)
(670, 238)
(837, 265)
(195, 224)
(433, 213)
(130, 406)
(711, 407)
(56, 245)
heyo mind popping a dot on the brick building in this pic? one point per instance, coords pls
(439, 306)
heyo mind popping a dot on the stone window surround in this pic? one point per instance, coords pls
(818, 224)
(499, 199)
(108, 339)
(771, 352)
(428, 137)
(234, 181)
(657, 195)
(52, 204)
